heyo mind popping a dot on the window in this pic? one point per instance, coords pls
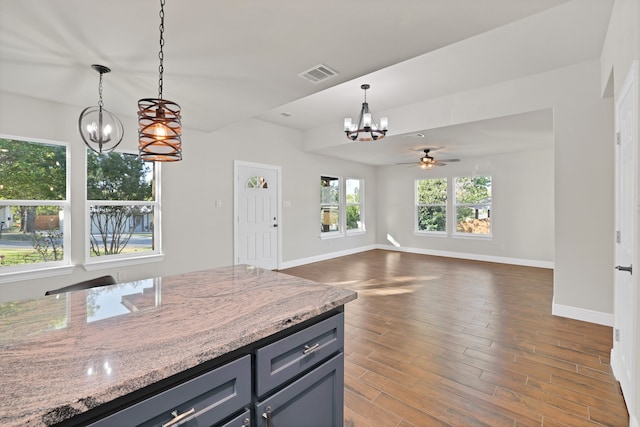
(431, 205)
(341, 206)
(329, 204)
(473, 205)
(122, 207)
(354, 208)
(34, 201)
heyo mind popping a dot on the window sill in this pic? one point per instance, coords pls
(122, 262)
(356, 232)
(472, 236)
(430, 233)
(331, 235)
(40, 273)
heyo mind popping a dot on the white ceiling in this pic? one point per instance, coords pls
(230, 60)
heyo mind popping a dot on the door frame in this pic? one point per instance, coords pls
(237, 164)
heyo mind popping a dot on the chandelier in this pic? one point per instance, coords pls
(366, 129)
(159, 120)
(100, 130)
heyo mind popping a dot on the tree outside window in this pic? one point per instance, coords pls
(33, 203)
(473, 205)
(431, 205)
(121, 203)
(329, 204)
(354, 208)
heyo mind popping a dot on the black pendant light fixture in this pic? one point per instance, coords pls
(365, 129)
(159, 120)
(100, 130)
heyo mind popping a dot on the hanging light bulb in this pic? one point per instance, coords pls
(159, 120)
(100, 130)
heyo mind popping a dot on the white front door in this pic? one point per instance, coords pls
(624, 353)
(257, 194)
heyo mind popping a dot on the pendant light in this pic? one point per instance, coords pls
(159, 120)
(100, 130)
(366, 129)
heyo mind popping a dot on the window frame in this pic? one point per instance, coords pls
(47, 268)
(455, 205)
(418, 205)
(342, 208)
(119, 260)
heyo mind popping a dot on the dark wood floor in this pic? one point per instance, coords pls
(436, 341)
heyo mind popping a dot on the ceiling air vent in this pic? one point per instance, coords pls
(318, 74)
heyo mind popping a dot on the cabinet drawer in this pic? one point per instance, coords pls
(315, 400)
(283, 360)
(242, 420)
(208, 398)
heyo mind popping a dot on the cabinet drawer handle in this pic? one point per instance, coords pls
(246, 422)
(311, 349)
(267, 415)
(177, 418)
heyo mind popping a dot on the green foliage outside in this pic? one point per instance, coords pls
(475, 192)
(353, 209)
(31, 171)
(433, 194)
(116, 177)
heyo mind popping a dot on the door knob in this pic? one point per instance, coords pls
(627, 269)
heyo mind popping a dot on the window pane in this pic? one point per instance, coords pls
(432, 191)
(32, 170)
(121, 229)
(329, 218)
(329, 190)
(471, 190)
(353, 218)
(432, 218)
(31, 234)
(257, 182)
(475, 220)
(353, 191)
(118, 176)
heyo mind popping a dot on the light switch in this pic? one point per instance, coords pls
(218, 203)
(286, 204)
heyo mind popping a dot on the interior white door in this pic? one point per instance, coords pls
(257, 201)
(624, 353)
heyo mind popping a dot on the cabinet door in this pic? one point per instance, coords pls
(315, 400)
(242, 420)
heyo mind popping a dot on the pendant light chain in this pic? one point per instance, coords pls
(161, 54)
(100, 103)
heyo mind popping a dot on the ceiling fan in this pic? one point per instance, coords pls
(427, 161)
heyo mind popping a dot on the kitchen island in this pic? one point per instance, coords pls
(80, 357)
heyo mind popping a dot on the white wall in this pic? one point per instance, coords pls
(583, 192)
(522, 209)
(196, 235)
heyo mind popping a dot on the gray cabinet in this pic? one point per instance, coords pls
(298, 378)
(202, 401)
(314, 400)
(242, 420)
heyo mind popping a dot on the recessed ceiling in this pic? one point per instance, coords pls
(231, 60)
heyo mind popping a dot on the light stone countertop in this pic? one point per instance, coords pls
(64, 354)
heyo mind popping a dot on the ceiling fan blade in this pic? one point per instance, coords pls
(449, 160)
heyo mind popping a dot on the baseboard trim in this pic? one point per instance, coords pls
(583, 314)
(448, 254)
(324, 257)
(470, 256)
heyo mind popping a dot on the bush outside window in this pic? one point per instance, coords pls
(473, 205)
(354, 209)
(431, 205)
(34, 201)
(122, 206)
